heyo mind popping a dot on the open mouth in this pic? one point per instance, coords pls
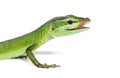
(81, 25)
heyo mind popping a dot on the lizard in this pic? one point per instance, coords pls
(26, 44)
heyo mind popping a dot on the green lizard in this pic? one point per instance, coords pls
(26, 44)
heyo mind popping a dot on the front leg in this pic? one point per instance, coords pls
(35, 61)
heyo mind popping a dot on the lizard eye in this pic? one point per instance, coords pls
(70, 22)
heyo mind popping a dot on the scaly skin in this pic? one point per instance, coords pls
(58, 26)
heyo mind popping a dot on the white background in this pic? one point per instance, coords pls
(91, 54)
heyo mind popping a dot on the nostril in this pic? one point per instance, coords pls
(87, 19)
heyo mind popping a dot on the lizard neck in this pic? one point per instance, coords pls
(42, 34)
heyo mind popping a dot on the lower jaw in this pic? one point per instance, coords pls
(78, 28)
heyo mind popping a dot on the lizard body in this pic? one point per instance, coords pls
(58, 26)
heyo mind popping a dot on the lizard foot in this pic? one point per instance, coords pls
(48, 66)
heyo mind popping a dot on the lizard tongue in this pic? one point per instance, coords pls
(81, 25)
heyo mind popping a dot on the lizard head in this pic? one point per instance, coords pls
(67, 25)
